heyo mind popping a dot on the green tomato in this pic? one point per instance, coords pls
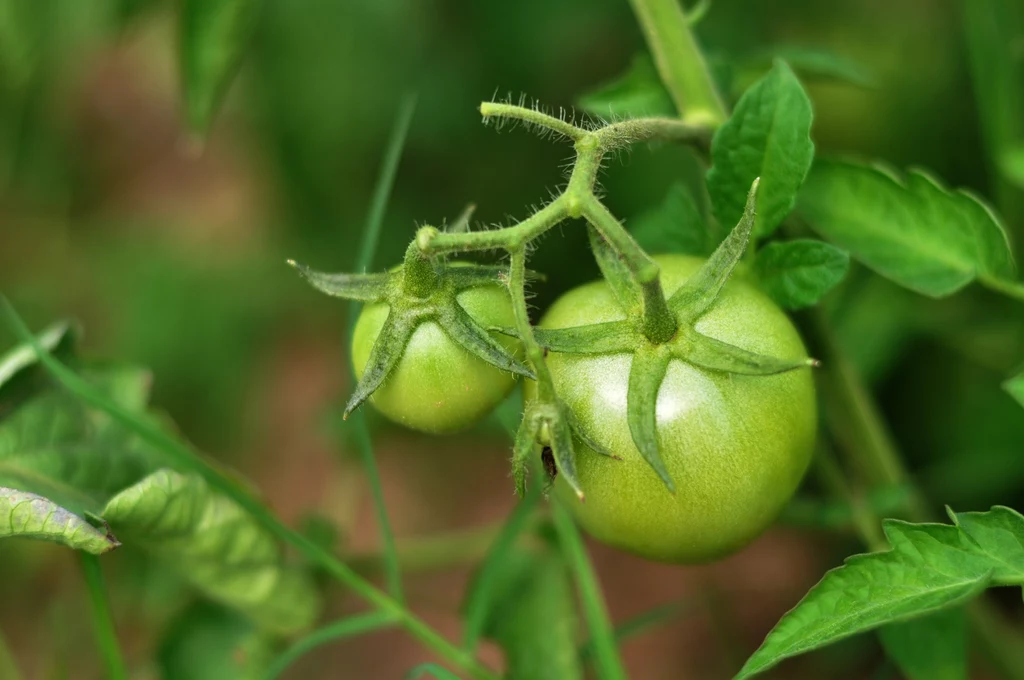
(736, 446)
(438, 386)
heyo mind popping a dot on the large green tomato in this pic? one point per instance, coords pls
(438, 386)
(736, 446)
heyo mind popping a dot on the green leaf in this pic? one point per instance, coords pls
(209, 642)
(19, 367)
(932, 647)
(675, 226)
(930, 567)
(1015, 387)
(797, 274)
(819, 63)
(216, 546)
(532, 615)
(635, 94)
(214, 35)
(768, 136)
(28, 515)
(914, 231)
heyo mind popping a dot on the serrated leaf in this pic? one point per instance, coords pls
(768, 136)
(913, 231)
(29, 515)
(932, 647)
(209, 642)
(635, 94)
(211, 542)
(930, 567)
(214, 35)
(797, 274)
(675, 226)
(533, 617)
(1015, 387)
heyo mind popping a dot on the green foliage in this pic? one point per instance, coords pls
(216, 546)
(932, 647)
(675, 226)
(913, 230)
(1015, 386)
(636, 93)
(797, 274)
(209, 642)
(768, 136)
(532, 615)
(929, 568)
(28, 515)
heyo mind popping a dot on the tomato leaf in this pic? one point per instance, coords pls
(913, 231)
(768, 136)
(636, 93)
(20, 374)
(215, 545)
(1015, 387)
(675, 226)
(930, 567)
(933, 647)
(28, 515)
(796, 274)
(533, 616)
(214, 35)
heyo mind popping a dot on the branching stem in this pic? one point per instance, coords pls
(534, 352)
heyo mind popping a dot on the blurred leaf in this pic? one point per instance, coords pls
(532, 615)
(675, 226)
(17, 44)
(635, 94)
(799, 273)
(217, 547)
(933, 647)
(20, 362)
(431, 670)
(1011, 162)
(1015, 386)
(214, 35)
(209, 642)
(818, 62)
(930, 567)
(768, 136)
(27, 515)
(915, 232)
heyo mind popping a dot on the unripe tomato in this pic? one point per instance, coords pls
(438, 386)
(736, 446)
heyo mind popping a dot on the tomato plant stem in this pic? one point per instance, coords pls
(534, 352)
(103, 620)
(679, 61)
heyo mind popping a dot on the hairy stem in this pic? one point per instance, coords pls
(659, 323)
(433, 242)
(534, 352)
(679, 61)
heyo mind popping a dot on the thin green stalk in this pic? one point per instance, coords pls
(371, 237)
(606, 653)
(679, 61)
(8, 667)
(479, 600)
(641, 623)
(534, 352)
(102, 619)
(181, 457)
(352, 626)
(1013, 289)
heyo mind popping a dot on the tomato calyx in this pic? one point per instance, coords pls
(651, 359)
(550, 425)
(422, 290)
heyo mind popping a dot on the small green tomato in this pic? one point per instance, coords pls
(437, 386)
(736, 446)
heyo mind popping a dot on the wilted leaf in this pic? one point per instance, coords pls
(930, 567)
(216, 546)
(913, 231)
(28, 515)
(768, 136)
(797, 274)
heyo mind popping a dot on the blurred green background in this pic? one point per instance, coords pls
(176, 261)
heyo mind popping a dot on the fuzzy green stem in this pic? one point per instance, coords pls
(534, 352)
(103, 620)
(433, 242)
(679, 61)
(419, 278)
(634, 130)
(659, 323)
(531, 117)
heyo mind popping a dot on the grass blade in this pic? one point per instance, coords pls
(367, 249)
(332, 632)
(606, 654)
(103, 620)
